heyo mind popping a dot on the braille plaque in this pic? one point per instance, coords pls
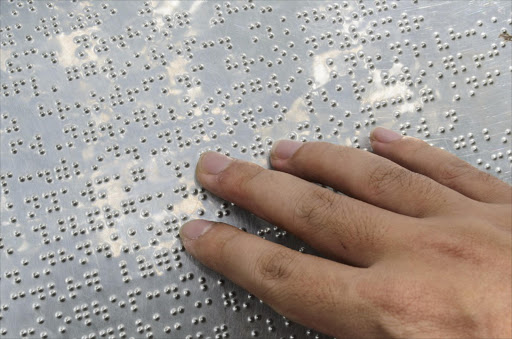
(106, 106)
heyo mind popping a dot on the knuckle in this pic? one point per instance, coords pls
(315, 207)
(321, 149)
(237, 180)
(414, 145)
(277, 265)
(454, 171)
(457, 174)
(341, 153)
(419, 304)
(383, 179)
(365, 231)
(460, 247)
(220, 248)
(402, 299)
(320, 295)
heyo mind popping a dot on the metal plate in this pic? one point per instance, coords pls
(106, 105)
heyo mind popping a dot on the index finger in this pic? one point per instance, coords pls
(310, 290)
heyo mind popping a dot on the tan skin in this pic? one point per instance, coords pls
(419, 246)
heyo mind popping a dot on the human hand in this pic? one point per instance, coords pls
(420, 246)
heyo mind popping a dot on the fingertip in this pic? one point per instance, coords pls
(212, 163)
(284, 149)
(384, 135)
(193, 230)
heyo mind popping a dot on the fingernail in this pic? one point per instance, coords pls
(384, 135)
(284, 149)
(195, 228)
(214, 163)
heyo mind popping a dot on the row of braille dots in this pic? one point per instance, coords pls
(480, 23)
(178, 19)
(460, 141)
(12, 126)
(25, 4)
(269, 323)
(88, 69)
(82, 311)
(109, 331)
(270, 33)
(81, 21)
(230, 10)
(168, 290)
(424, 128)
(41, 296)
(18, 84)
(232, 66)
(468, 33)
(271, 326)
(46, 195)
(49, 27)
(363, 39)
(146, 268)
(276, 231)
(49, 257)
(257, 148)
(162, 260)
(397, 47)
(305, 125)
(450, 63)
(136, 247)
(223, 211)
(9, 34)
(179, 49)
(230, 299)
(182, 189)
(109, 216)
(170, 227)
(473, 82)
(494, 156)
(91, 68)
(200, 125)
(100, 47)
(37, 145)
(337, 17)
(479, 58)
(327, 36)
(90, 193)
(119, 38)
(49, 209)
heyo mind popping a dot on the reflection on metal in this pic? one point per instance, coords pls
(105, 106)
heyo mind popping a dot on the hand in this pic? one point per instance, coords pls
(420, 246)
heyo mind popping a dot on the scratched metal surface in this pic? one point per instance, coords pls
(106, 105)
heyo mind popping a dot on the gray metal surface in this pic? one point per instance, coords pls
(106, 105)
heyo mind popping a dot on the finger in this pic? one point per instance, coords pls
(341, 227)
(365, 176)
(443, 167)
(310, 290)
